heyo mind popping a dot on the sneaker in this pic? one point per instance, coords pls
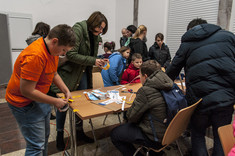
(60, 141)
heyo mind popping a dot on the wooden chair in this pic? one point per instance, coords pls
(175, 129)
(226, 137)
(97, 80)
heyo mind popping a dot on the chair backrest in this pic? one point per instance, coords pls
(178, 124)
(97, 80)
(226, 138)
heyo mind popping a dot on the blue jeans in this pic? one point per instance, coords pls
(61, 116)
(34, 124)
(200, 121)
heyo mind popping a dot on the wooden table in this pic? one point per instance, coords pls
(86, 109)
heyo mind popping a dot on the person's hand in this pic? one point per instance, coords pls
(68, 95)
(137, 77)
(60, 103)
(99, 63)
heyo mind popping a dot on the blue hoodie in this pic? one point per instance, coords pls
(117, 65)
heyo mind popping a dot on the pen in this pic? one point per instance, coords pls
(102, 104)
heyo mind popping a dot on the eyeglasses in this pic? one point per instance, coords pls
(100, 29)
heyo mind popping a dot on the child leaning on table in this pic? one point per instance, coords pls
(131, 74)
(148, 100)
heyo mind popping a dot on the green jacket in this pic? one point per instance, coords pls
(150, 100)
(79, 59)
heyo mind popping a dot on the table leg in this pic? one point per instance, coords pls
(105, 119)
(93, 131)
(73, 132)
(119, 118)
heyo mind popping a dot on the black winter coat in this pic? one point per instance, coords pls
(207, 54)
(138, 46)
(161, 55)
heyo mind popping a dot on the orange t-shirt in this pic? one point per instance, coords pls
(35, 64)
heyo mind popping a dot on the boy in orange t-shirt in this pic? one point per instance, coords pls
(34, 71)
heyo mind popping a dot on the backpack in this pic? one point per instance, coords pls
(175, 101)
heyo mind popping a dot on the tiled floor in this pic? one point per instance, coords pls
(12, 142)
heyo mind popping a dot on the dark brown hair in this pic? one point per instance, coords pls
(149, 67)
(110, 45)
(160, 35)
(136, 56)
(95, 20)
(196, 21)
(41, 29)
(65, 35)
(123, 49)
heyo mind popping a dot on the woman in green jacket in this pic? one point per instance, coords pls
(76, 72)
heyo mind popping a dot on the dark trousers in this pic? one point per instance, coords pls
(124, 136)
(61, 116)
(200, 121)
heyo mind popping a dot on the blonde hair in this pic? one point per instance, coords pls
(140, 30)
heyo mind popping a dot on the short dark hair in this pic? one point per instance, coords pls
(196, 21)
(41, 29)
(65, 35)
(160, 35)
(95, 20)
(132, 28)
(149, 67)
(136, 56)
(123, 49)
(110, 45)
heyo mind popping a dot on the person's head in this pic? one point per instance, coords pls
(125, 51)
(124, 32)
(41, 29)
(130, 30)
(194, 22)
(97, 23)
(136, 60)
(60, 39)
(159, 39)
(109, 46)
(141, 31)
(147, 69)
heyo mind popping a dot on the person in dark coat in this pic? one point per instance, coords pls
(207, 54)
(148, 100)
(138, 45)
(124, 37)
(130, 30)
(159, 51)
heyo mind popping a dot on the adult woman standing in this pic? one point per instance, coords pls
(77, 71)
(137, 43)
(159, 51)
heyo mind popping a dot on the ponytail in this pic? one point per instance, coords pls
(140, 30)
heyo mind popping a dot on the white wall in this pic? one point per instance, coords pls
(124, 17)
(153, 14)
(56, 12)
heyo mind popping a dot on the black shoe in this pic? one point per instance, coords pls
(60, 141)
(52, 117)
(81, 136)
